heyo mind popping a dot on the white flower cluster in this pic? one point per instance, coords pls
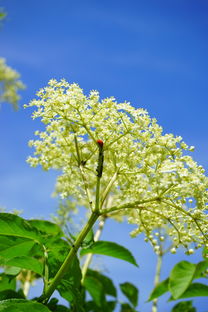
(9, 84)
(147, 177)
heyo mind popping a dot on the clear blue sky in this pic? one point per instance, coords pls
(152, 53)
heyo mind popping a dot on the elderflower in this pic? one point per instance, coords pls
(147, 177)
(9, 84)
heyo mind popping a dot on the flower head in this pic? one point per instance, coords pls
(147, 177)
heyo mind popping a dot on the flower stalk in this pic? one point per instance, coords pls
(66, 264)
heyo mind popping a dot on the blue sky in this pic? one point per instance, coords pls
(151, 53)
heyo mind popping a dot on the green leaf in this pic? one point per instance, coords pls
(9, 294)
(181, 277)
(7, 282)
(201, 267)
(89, 239)
(13, 225)
(159, 290)
(108, 286)
(47, 227)
(26, 263)
(95, 289)
(12, 270)
(16, 247)
(21, 305)
(195, 290)
(110, 249)
(205, 253)
(69, 287)
(125, 307)
(184, 306)
(131, 292)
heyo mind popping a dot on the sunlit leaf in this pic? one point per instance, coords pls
(110, 249)
(159, 290)
(181, 277)
(21, 305)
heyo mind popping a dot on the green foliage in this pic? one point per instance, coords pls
(159, 290)
(131, 292)
(21, 305)
(7, 282)
(180, 282)
(184, 306)
(107, 284)
(12, 225)
(110, 249)
(126, 307)
(180, 278)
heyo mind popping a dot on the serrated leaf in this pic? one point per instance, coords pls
(21, 305)
(131, 292)
(159, 290)
(110, 249)
(107, 283)
(28, 263)
(13, 225)
(46, 227)
(184, 306)
(181, 277)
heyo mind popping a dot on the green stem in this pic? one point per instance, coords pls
(66, 264)
(89, 256)
(134, 205)
(105, 194)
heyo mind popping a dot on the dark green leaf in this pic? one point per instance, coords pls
(70, 285)
(110, 249)
(7, 282)
(28, 263)
(21, 305)
(131, 292)
(95, 289)
(47, 227)
(108, 286)
(9, 294)
(181, 277)
(159, 290)
(13, 225)
(125, 307)
(184, 306)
